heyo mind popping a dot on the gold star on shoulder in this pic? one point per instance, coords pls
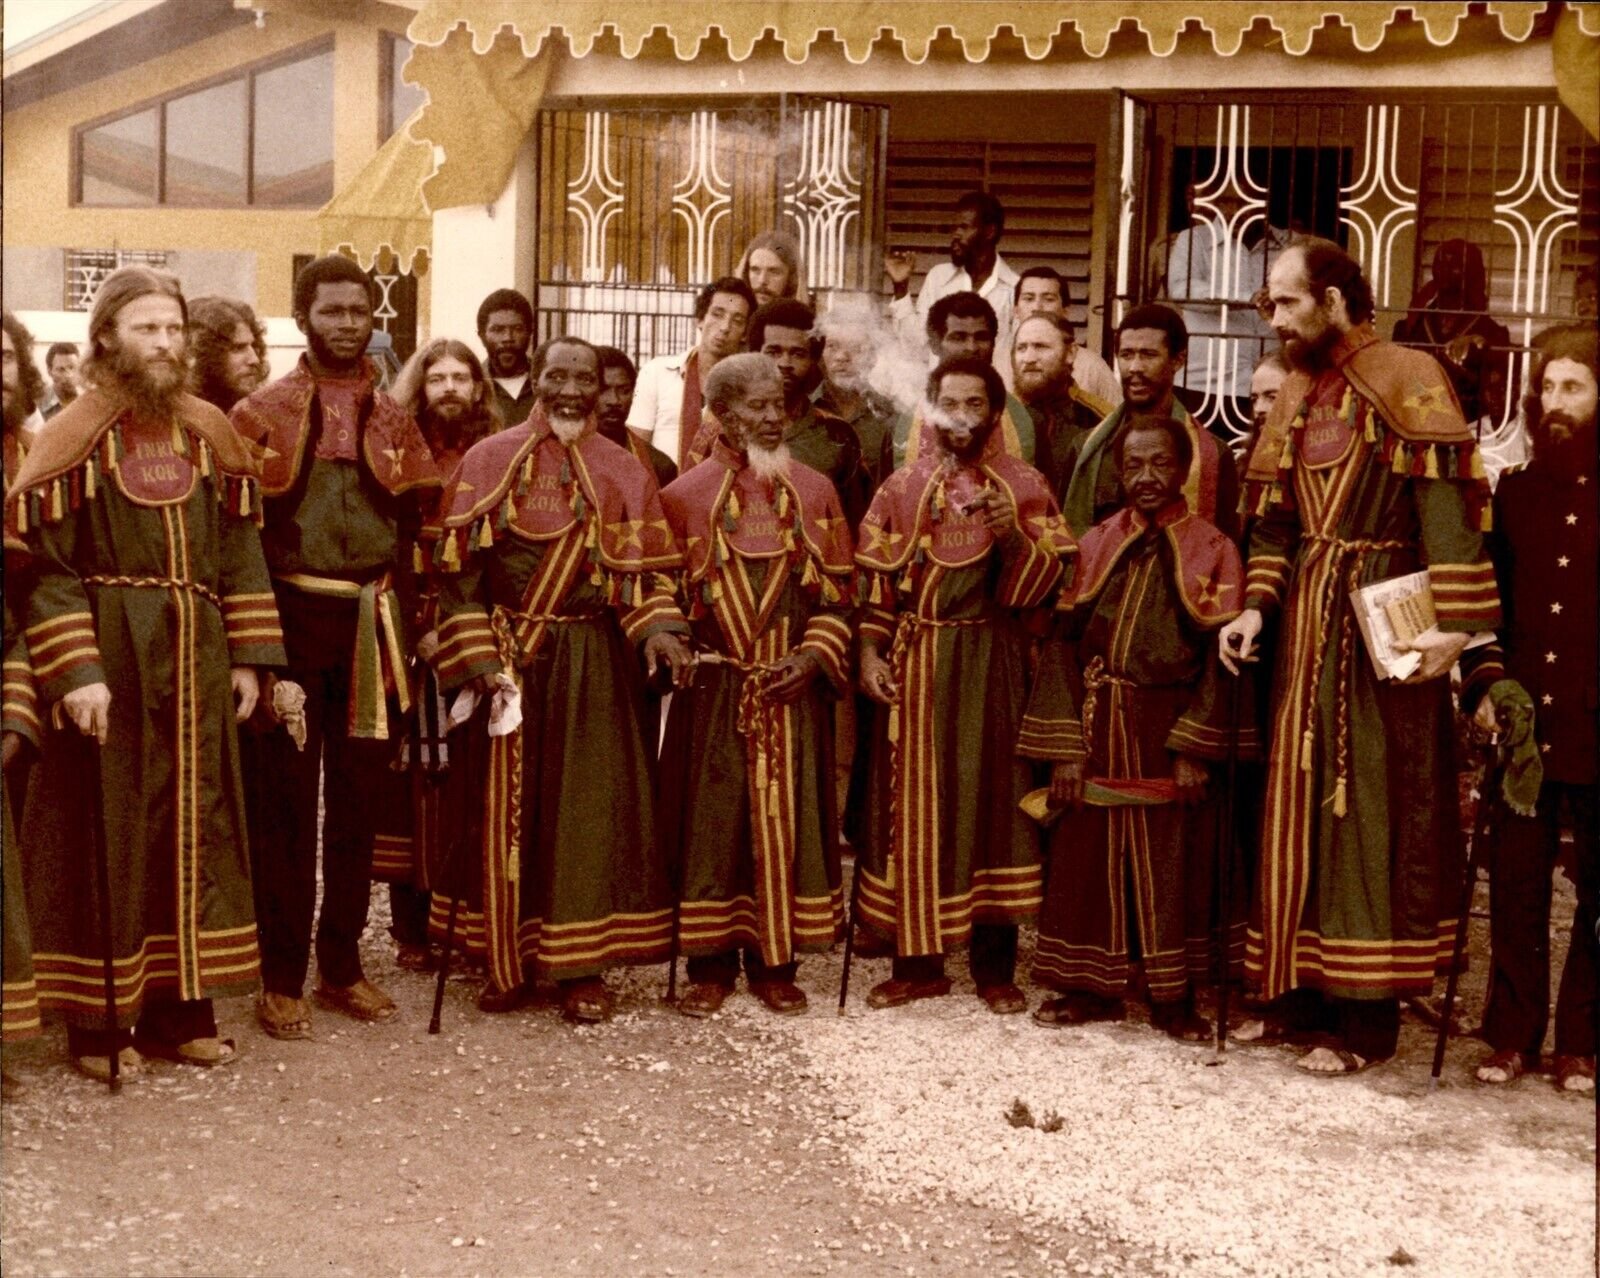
(879, 539)
(1210, 592)
(1547, 700)
(1428, 399)
(1562, 561)
(1556, 608)
(1572, 519)
(1549, 658)
(395, 456)
(1582, 480)
(630, 534)
(827, 523)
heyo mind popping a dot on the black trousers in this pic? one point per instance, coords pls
(320, 635)
(1520, 865)
(992, 958)
(1368, 1027)
(723, 969)
(408, 913)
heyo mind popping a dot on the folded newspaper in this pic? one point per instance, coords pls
(1393, 613)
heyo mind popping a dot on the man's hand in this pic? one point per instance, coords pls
(898, 265)
(10, 748)
(1236, 641)
(1485, 716)
(1439, 651)
(1461, 347)
(1190, 774)
(487, 684)
(669, 649)
(791, 677)
(89, 708)
(877, 680)
(246, 692)
(428, 645)
(1066, 784)
(998, 511)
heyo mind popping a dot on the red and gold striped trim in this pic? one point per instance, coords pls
(224, 959)
(60, 649)
(658, 611)
(1465, 595)
(713, 927)
(393, 857)
(1266, 580)
(997, 895)
(827, 636)
(20, 712)
(1040, 738)
(1393, 967)
(1190, 736)
(876, 624)
(466, 647)
(251, 621)
(1031, 573)
(19, 1011)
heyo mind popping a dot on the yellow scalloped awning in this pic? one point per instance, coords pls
(484, 65)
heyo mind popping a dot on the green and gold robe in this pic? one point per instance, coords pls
(747, 795)
(1129, 681)
(1363, 473)
(148, 577)
(19, 715)
(557, 563)
(945, 842)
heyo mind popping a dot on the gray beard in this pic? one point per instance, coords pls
(567, 429)
(768, 463)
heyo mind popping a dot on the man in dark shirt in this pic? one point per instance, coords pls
(618, 377)
(848, 353)
(1544, 546)
(343, 466)
(505, 327)
(1063, 415)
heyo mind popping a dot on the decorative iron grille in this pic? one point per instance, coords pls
(1212, 188)
(86, 269)
(640, 208)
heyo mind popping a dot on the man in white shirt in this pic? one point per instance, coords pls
(505, 327)
(1041, 290)
(669, 399)
(975, 266)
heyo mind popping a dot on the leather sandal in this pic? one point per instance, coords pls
(897, 993)
(202, 1053)
(703, 999)
(783, 997)
(362, 1001)
(296, 1025)
(494, 1000)
(1575, 1074)
(129, 1064)
(587, 1001)
(1003, 1000)
(1501, 1068)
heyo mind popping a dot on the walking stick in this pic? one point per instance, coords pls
(1483, 818)
(102, 857)
(1227, 842)
(850, 929)
(455, 864)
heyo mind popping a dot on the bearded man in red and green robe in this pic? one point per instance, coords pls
(558, 600)
(1128, 707)
(149, 613)
(957, 550)
(1365, 471)
(747, 790)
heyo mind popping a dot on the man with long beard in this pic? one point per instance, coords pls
(1063, 416)
(1365, 471)
(558, 559)
(747, 787)
(19, 717)
(956, 549)
(149, 616)
(228, 351)
(344, 468)
(444, 388)
(1537, 686)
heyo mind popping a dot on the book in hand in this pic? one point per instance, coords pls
(1393, 613)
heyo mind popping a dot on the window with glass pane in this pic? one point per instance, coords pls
(207, 135)
(118, 161)
(294, 134)
(403, 98)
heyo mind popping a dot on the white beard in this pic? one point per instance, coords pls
(567, 429)
(768, 462)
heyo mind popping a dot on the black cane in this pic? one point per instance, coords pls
(102, 856)
(1486, 809)
(455, 867)
(1227, 842)
(850, 917)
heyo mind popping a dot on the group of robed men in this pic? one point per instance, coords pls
(391, 573)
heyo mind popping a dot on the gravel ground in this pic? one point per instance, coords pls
(877, 1143)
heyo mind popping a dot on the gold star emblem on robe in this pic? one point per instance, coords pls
(1563, 561)
(1582, 480)
(1549, 658)
(1572, 519)
(1428, 399)
(1210, 591)
(827, 523)
(1547, 700)
(878, 540)
(395, 455)
(1556, 608)
(630, 534)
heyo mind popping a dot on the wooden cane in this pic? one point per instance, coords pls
(102, 857)
(850, 930)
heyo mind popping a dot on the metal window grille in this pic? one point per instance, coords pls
(639, 209)
(1213, 186)
(86, 269)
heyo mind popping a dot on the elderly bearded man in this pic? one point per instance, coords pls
(956, 549)
(557, 556)
(1365, 471)
(150, 614)
(746, 778)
